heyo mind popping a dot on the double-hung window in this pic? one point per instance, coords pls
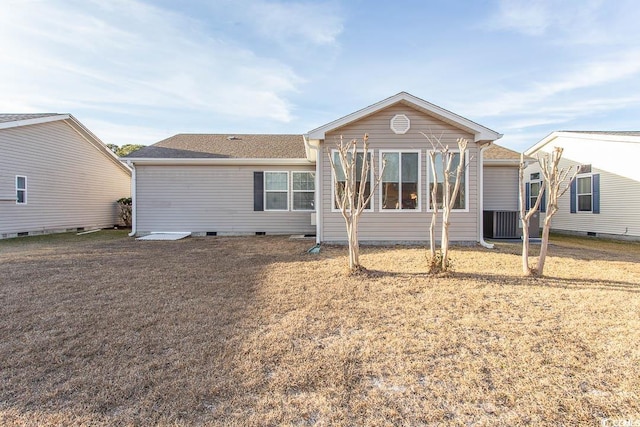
(461, 199)
(534, 192)
(400, 184)
(21, 190)
(276, 191)
(339, 185)
(584, 193)
(303, 190)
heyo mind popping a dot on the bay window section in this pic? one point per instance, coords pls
(303, 189)
(460, 202)
(276, 191)
(400, 178)
(339, 185)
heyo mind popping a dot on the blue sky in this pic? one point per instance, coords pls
(137, 72)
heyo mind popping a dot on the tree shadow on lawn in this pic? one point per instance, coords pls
(130, 332)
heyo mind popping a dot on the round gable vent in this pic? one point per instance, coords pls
(400, 124)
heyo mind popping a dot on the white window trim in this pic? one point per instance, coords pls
(265, 191)
(293, 191)
(578, 194)
(333, 184)
(419, 190)
(466, 182)
(533, 201)
(21, 189)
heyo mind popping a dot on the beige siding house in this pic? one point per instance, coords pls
(55, 175)
(604, 200)
(282, 184)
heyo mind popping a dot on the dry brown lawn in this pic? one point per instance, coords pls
(104, 330)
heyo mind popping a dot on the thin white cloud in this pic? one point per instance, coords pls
(589, 22)
(124, 134)
(585, 76)
(313, 22)
(124, 54)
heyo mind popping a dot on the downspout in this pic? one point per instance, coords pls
(133, 198)
(317, 197)
(481, 201)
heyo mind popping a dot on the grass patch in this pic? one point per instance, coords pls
(254, 331)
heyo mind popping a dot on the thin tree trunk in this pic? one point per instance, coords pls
(543, 246)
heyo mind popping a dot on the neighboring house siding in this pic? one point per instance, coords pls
(500, 188)
(399, 226)
(210, 199)
(70, 183)
(619, 188)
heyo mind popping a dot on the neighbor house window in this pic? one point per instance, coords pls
(276, 191)
(461, 199)
(534, 192)
(584, 194)
(399, 188)
(338, 187)
(21, 190)
(303, 190)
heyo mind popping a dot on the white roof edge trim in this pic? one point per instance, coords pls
(96, 142)
(38, 120)
(580, 135)
(480, 132)
(501, 162)
(214, 161)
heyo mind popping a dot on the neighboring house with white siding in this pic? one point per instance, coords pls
(282, 184)
(604, 199)
(55, 175)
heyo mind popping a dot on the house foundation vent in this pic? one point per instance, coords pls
(400, 124)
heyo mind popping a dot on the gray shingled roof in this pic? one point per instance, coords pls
(230, 146)
(5, 118)
(498, 152)
(607, 132)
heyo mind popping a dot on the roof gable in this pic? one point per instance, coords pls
(480, 132)
(8, 121)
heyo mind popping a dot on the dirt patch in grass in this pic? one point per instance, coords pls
(106, 330)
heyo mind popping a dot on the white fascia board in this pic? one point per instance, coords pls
(501, 162)
(537, 146)
(480, 132)
(219, 162)
(633, 139)
(35, 121)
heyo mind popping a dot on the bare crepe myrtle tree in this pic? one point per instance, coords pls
(350, 197)
(525, 216)
(554, 178)
(439, 261)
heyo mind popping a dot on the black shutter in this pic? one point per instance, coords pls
(596, 193)
(573, 191)
(258, 191)
(527, 192)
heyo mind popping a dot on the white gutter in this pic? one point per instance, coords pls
(216, 161)
(481, 201)
(317, 196)
(133, 198)
(35, 121)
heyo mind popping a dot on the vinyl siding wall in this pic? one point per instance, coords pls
(399, 226)
(619, 194)
(500, 188)
(217, 199)
(70, 183)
